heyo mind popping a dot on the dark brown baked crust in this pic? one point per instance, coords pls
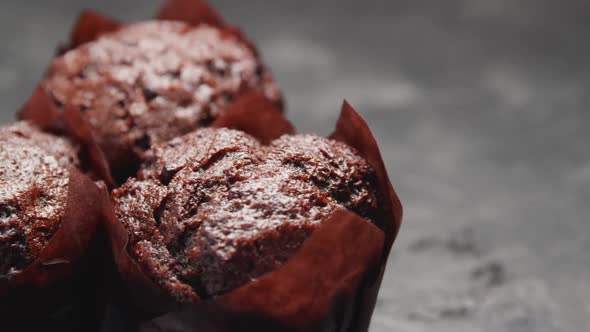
(33, 191)
(149, 82)
(214, 209)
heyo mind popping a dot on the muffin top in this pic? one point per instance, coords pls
(33, 192)
(149, 82)
(215, 209)
(24, 132)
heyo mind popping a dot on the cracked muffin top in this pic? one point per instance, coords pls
(33, 191)
(215, 209)
(152, 81)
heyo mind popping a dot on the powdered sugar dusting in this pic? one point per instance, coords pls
(33, 191)
(155, 80)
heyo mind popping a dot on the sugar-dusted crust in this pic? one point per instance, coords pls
(33, 192)
(62, 148)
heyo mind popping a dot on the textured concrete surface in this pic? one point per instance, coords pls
(481, 108)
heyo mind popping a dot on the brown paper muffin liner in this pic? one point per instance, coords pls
(331, 284)
(89, 26)
(60, 289)
(254, 114)
(92, 24)
(197, 12)
(191, 11)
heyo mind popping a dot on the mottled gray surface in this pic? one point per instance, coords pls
(481, 108)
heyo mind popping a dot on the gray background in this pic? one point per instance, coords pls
(480, 107)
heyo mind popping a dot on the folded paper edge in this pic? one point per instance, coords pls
(353, 130)
(89, 26)
(40, 109)
(286, 299)
(193, 12)
(257, 116)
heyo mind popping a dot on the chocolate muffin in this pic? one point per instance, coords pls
(152, 81)
(215, 209)
(33, 191)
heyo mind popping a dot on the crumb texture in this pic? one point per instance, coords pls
(214, 209)
(152, 81)
(33, 192)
